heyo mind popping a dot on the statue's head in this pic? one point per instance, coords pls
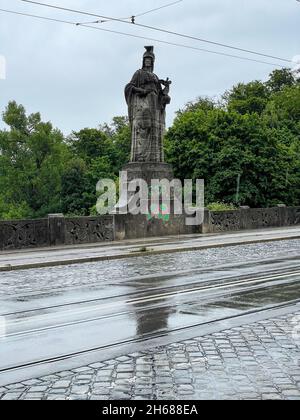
(149, 58)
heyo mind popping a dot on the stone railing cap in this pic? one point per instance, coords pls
(56, 215)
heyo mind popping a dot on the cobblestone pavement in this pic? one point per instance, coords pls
(257, 361)
(104, 273)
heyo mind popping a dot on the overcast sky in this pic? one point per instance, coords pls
(76, 76)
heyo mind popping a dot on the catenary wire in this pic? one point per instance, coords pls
(139, 37)
(133, 17)
(157, 29)
(159, 8)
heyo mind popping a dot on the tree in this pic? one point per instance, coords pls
(32, 160)
(252, 144)
(246, 148)
(75, 198)
(90, 143)
(287, 104)
(120, 136)
(100, 153)
(280, 79)
(247, 98)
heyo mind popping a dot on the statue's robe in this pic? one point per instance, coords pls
(147, 117)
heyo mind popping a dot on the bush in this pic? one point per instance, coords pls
(221, 207)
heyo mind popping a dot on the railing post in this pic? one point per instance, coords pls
(206, 221)
(56, 228)
(283, 215)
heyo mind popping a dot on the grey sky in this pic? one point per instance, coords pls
(76, 76)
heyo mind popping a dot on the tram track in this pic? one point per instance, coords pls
(110, 310)
(218, 290)
(147, 337)
(163, 306)
(214, 283)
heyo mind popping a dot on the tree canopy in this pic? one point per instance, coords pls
(246, 147)
(42, 172)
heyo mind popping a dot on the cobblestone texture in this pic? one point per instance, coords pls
(115, 272)
(257, 361)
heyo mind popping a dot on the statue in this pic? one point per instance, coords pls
(147, 102)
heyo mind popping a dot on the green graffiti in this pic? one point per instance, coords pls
(161, 213)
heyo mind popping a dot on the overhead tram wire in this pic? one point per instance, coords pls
(158, 30)
(159, 8)
(133, 17)
(141, 37)
(14, 12)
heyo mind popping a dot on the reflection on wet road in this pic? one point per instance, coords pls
(47, 325)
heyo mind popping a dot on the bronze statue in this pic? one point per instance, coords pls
(147, 102)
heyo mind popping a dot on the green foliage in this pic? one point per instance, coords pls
(90, 143)
(246, 148)
(31, 163)
(221, 207)
(287, 105)
(74, 188)
(206, 104)
(247, 98)
(14, 211)
(246, 151)
(280, 79)
(100, 153)
(41, 172)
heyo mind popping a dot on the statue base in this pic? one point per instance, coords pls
(148, 171)
(166, 223)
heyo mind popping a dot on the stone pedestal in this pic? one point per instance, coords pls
(149, 171)
(129, 226)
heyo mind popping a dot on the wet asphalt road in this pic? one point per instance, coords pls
(53, 313)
